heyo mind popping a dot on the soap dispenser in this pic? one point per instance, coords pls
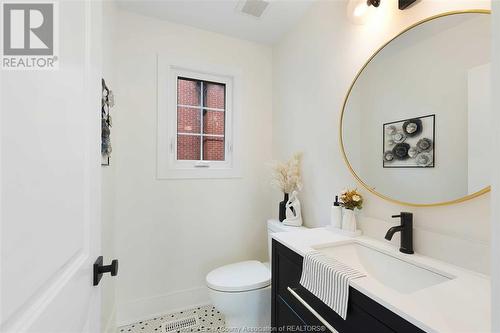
(336, 217)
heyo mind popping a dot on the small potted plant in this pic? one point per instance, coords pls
(350, 200)
(287, 178)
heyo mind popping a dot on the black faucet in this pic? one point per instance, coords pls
(406, 229)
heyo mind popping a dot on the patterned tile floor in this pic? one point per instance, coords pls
(209, 319)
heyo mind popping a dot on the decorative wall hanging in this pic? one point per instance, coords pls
(409, 143)
(107, 102)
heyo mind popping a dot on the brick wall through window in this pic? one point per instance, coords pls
(201, 114)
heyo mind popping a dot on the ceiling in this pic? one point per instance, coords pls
(223, 16)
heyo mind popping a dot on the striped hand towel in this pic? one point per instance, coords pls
(328, 279)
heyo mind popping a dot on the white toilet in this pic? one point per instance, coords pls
(242, 291)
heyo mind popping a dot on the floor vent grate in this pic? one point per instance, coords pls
(179, 324)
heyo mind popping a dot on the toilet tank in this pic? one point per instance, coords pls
(276, 226)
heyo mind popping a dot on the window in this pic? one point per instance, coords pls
(201, 113)
(195, 122)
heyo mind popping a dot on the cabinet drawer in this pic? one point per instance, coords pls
(289, 266)
(290, 272)
(287, 319)
(358, 320)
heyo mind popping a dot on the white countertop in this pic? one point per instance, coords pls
(459, 305)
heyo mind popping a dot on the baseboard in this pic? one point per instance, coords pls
(146, 308)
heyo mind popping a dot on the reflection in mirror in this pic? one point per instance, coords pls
(416, 125)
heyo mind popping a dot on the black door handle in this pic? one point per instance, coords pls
(100, 269)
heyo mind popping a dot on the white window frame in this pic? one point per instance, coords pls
(168, 166)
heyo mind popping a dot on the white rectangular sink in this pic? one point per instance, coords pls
(390, 270)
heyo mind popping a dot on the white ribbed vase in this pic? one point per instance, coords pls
(348, 220)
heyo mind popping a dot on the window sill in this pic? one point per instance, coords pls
(198, 174)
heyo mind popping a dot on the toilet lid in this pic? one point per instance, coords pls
(242, 276)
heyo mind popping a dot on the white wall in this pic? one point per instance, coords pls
(108, 283)
(394, 87)
(171, 233)
(495, 197)
(313, 66)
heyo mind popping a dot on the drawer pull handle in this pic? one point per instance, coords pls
(308, 307)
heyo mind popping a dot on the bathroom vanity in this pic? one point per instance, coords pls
(400, 292)
(292, 303)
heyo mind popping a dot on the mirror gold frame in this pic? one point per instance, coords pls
(341, 141)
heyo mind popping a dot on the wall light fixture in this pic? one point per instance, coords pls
(403, 4)
(359, 11)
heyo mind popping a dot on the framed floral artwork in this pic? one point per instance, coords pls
(409, 143)
(107, 102)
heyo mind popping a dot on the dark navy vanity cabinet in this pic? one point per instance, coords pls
(293, 306)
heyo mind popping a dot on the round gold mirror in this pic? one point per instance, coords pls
(415, 125)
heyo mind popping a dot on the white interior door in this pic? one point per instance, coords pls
(50, 186)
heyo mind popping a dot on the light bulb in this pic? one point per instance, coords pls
(359, 11)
